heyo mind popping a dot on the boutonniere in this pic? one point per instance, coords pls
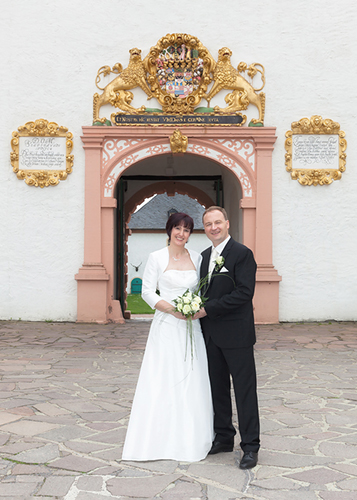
(219, 263)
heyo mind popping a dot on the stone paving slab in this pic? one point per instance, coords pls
(57, 486)
(65, 396)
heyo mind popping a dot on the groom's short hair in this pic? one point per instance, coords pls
(211, 209)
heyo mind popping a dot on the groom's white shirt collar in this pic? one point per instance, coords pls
(219, 248)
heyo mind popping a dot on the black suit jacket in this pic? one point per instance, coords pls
(230, 319)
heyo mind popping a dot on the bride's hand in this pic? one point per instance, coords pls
(168, 308)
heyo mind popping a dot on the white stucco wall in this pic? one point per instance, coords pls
(51, 51)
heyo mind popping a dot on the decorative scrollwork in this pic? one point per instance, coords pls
(41, 149)
(315, 125)
(42, 128)
(315, 150)
(177, 72)
(315, 177)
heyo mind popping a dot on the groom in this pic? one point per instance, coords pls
(228, 326)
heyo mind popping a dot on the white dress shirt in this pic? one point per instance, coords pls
(219, 248)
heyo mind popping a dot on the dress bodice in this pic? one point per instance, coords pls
(174, 283)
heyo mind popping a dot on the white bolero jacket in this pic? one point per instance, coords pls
(154, 269)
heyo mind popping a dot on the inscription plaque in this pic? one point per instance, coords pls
(42, 153)
(315, 151)
(169, 120)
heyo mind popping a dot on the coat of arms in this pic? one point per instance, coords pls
(177, 72)
(180, 69)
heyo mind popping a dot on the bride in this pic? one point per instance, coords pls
(172, 415)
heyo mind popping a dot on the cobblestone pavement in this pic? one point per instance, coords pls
(65, 397)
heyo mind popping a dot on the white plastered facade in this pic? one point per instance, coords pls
(51, 53)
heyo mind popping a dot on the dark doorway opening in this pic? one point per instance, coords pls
(121, 218)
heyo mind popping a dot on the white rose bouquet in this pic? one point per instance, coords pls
(188, 304)
(191, 302)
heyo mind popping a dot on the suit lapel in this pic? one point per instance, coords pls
(227, 248)
(224, 255)
(206, 254)
(205, 262)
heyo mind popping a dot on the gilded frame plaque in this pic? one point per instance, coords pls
(315, 149)
(42, 144)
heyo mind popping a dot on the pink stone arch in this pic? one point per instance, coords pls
(236, 155)
(110, 151)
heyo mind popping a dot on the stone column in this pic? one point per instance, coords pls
(248, 206)
(92, 276)
(266, 300)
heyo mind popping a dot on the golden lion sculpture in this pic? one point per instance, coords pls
(116, 92)
(228, 78)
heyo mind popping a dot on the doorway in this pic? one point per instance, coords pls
(242, 157)
(131, 190)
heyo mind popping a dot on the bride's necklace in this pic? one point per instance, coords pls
(176, 259)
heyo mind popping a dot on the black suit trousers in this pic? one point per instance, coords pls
(240, 365)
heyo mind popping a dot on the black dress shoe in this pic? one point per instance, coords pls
(218, 447)
(249, 460)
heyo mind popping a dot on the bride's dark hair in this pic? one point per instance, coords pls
(177, 219)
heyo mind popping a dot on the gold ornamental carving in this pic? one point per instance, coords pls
(42, 143)
(177, 73)
(226, 77)
(117, 92)
(178, 142)
(315, 142)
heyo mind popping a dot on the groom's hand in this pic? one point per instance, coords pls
(200, 314)
(178, 315)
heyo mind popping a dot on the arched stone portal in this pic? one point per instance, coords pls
(111, 151)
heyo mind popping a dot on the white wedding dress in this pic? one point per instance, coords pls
(172, 414)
